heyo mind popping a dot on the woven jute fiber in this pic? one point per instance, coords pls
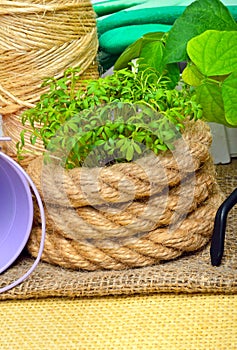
(95, 222)
(40, 39)
(142, 322)
(192, 273)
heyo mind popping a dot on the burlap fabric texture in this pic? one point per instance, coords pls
(191, 273)
(40, 39)
(130, 214)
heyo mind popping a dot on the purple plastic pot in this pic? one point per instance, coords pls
(16, 212)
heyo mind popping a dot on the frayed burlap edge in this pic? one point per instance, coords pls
(189, 274)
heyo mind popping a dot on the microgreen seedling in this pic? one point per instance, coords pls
(76, 120)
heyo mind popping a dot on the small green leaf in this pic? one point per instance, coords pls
(120, 142)
(87, 136)
(125, 145)
(137, 148)
(99, 131)
(73, 126)
(99, 142)
(33, 139)
(108, 132)
(192, 76)
(162, 147)
(61, 84)
(22, 136)
(129, 152)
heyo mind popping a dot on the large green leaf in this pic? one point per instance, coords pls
(133, 51)
(214, 52)
(209, 95)
(152, 55)
(150, 49)
(173, 73)
(198, 17)
(229, 95)
(192, 76)
(130, 53)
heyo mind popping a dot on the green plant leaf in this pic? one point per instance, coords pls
(173, 73)
(198, 17)
(99, 142)
(162, 147)
(192, 76)
(108, 131)
(130, 53)
(209, 95)
(152, 55)
(229, 94)
(137, 148)
(71, 130)
(129, 152)
(214, 52)
(133, 51)
(62, 83)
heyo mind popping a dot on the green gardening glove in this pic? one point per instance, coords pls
(120, 23)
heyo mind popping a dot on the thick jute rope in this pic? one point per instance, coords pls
(164, 216)
(40, 39)
(121, 182)
(138, 216)
(151, 248)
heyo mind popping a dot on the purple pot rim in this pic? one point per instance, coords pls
(29, 216)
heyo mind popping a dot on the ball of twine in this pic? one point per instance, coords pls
(40, 39)
(85, 235)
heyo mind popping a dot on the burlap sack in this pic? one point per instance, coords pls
(190, 273)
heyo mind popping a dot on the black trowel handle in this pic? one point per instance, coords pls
(218, 237)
